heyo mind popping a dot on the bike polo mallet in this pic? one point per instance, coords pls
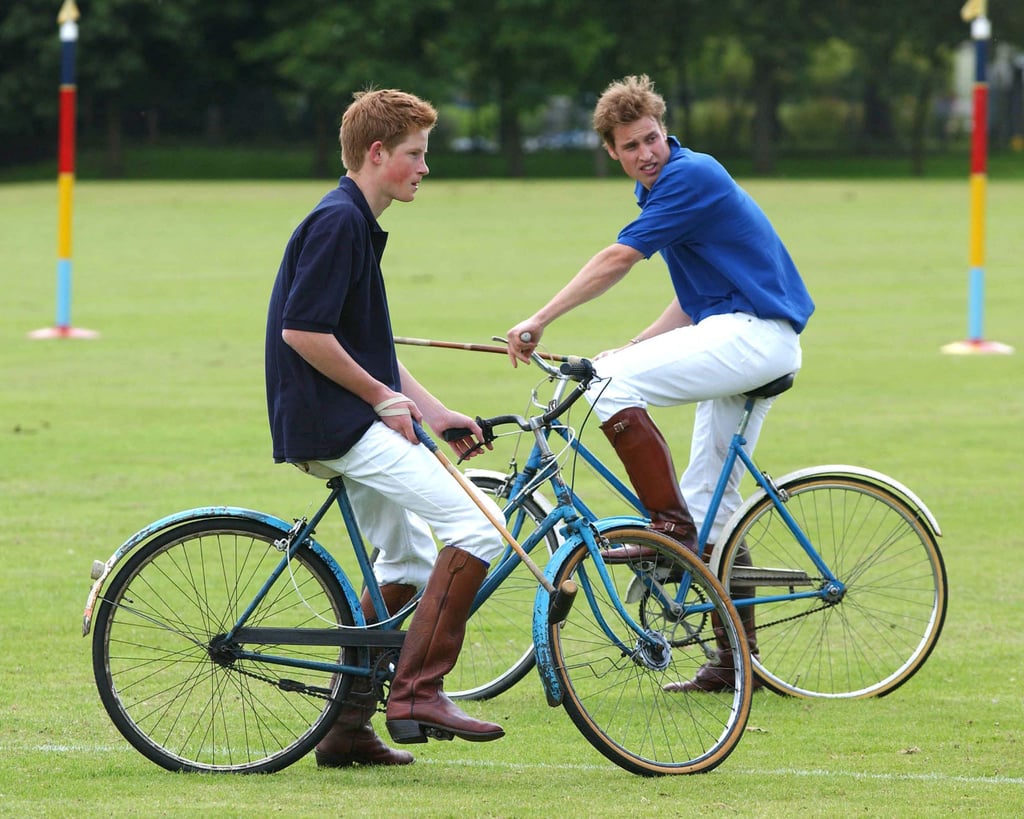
(476, 348)
(562, 597)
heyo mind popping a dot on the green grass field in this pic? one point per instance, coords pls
(164, 411)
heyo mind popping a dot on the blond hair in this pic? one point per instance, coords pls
(625, 101)
(386, 115)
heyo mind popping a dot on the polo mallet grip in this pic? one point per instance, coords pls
(561, 602)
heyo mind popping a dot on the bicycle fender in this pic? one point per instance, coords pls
(870, 475)
(553, 691)
(102, 571)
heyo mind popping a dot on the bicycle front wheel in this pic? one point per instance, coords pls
(870, 638)
(498, 650)
(614, 676)
(180, 696)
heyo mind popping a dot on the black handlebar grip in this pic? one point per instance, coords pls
(561, 601)
(578, 369)
(456, 433)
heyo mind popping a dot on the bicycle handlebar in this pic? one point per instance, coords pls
(576, 369)
(580, 370)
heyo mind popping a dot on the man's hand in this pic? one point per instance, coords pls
(397, 412)
(523, 340)
(467, 446)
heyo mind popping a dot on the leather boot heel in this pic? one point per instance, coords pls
(405, 731)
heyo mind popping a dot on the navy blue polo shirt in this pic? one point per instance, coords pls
(723, 254)
(329, 282)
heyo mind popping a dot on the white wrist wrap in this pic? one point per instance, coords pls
(382, 409)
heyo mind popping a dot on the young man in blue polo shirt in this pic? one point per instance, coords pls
(733, 324)
(340, 403)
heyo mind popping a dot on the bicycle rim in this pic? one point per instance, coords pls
(498, 650)
(888, 620)
(186, 707)
(614, 692)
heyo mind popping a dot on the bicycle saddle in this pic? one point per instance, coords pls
(773, 388)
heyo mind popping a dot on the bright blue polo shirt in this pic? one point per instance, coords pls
(329, 282)
(723, 254)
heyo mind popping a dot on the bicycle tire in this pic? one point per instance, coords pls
(166, 691)
(879, 634)
(615, 697)
(498, 650)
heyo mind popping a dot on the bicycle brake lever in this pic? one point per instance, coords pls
(578, 369)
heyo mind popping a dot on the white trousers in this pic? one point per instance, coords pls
(399, 493)
(711, 364)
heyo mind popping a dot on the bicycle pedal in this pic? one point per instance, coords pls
(438, 733)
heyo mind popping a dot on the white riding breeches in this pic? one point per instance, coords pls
(399, 493)
(711, 364)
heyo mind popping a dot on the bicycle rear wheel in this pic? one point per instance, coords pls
(498, 651)
(614, 683)
(186, 705)
(880, 630)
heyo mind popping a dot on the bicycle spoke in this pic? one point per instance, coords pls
(881, 629)
(176, 696)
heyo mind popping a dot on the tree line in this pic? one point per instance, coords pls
(757, 76)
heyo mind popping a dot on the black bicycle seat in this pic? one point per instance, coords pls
(773, 388)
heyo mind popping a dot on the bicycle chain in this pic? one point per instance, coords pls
(822, 607)
(285, 684)
(382, 688)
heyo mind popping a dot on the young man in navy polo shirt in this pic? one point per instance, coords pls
(340, 403)
(733, 324)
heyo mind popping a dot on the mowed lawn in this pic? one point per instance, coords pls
(165, 411)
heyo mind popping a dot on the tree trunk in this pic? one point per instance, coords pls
(321, 165)
(214, 124)
(919, 125)
(152, 125)
(509, 131)
(764, 129)
(115, 140)
(877, 128)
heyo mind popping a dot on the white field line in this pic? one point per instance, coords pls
(528, 766)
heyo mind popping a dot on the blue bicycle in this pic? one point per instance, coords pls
(840, 563)
(226, 639)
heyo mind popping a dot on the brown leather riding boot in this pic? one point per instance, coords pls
(642, 449)
(352, 740)
(717, 675)
(417, 707)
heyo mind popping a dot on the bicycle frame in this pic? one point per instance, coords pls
(534, 473)
(385, 633)
(539, 469)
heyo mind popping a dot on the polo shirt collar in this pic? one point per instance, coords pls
(378, 235)
(641, 192)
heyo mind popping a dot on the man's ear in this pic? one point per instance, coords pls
(610, 150)
(376, 152)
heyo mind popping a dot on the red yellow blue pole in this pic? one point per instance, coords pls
(67, 20)
(974, 11)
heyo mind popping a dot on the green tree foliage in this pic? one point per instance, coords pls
(147, 48)
(322, 51)
(733, 71)
(516, 53)
(29, 74)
